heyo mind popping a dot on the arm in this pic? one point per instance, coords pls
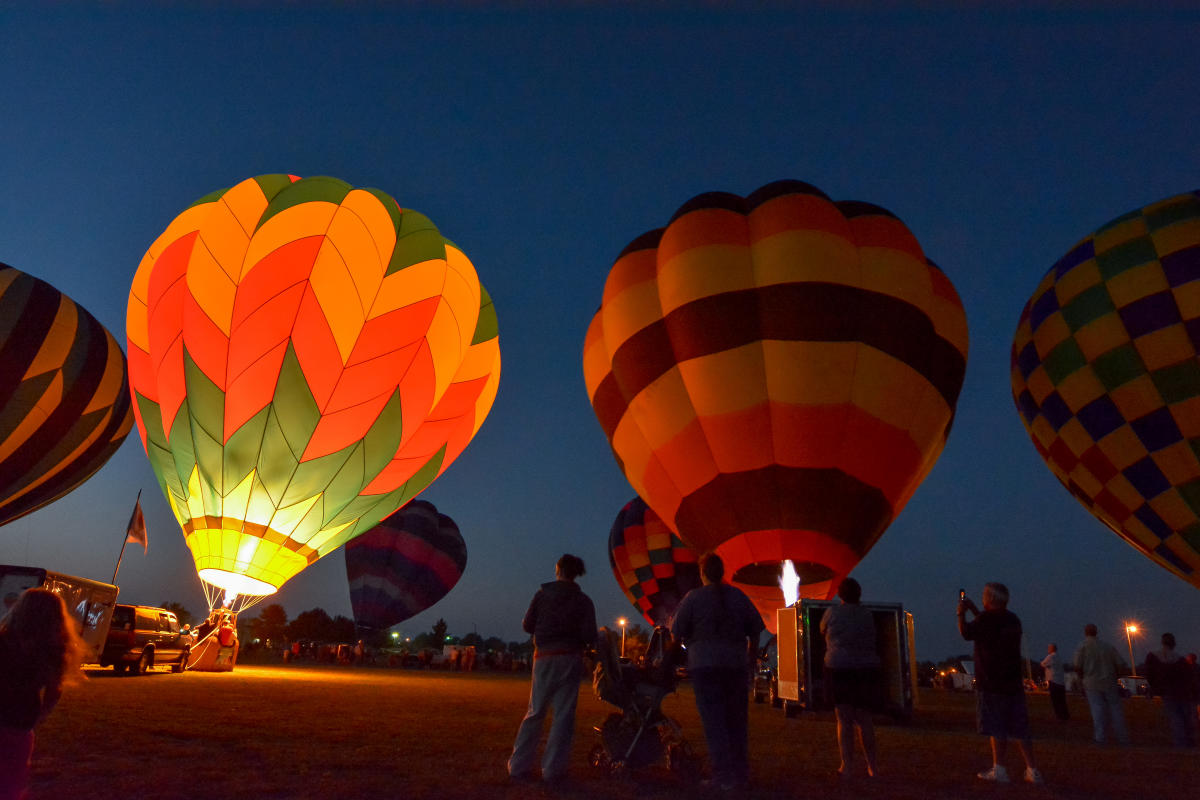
(966, 629)
(50, 696)
(530, 621)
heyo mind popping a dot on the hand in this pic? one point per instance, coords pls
(965, 603)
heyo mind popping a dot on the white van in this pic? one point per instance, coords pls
(90, 602)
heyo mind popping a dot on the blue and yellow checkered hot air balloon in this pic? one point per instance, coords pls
(1107, 381)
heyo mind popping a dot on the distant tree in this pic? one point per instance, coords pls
(184, 616)
(270, 624)
(426, 641)
(343, 630)
(473, 639)
(313, 625)
(493, 644)
(439, 631)
(637, 639)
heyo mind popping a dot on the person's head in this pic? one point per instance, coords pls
(995, 596)
(849, 591)
(1089, 630)
(1168, 641)
(1052, 648)
(43, 630)
(712, 568)
(569, 567)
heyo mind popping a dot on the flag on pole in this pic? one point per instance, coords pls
(136, 532)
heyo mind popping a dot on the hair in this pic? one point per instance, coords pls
(1168, 640)
(850, 591)
(43, 632)
(1089, 630)
(998, 592)
(570, 567)
(712, 568)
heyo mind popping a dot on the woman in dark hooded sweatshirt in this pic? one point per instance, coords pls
(562, 620)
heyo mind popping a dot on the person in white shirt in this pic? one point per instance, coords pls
(1056, 677)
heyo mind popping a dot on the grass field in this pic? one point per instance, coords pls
(340, 732)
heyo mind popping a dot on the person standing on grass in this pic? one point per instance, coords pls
(852, 673)
(1170, 678)
(1000, 690)
(562, 620)
(1056, 679)
(40, 653)
(720, 627)
(1098, 664)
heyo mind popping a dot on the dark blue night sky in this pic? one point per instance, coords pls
(542, 141)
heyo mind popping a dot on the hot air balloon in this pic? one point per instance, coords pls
(64, 394)
(1106, 378)
(305, 357)
(652, 565)
(403, 565)
(776, 375)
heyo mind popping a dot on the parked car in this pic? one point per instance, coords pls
(141, 637)
(1133, 686)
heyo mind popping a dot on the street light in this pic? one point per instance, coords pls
(622, 622)
(1130, 629)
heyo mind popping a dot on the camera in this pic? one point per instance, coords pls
(962, 594)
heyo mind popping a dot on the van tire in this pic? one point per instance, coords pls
(144, 663)
(181, 664)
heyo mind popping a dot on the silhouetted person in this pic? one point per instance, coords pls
(1056, 679)
(852, 673)
(562, 620)
(1170, 678)
(1000, 689)
(40, 653)
(1098, 664)
(720, 627)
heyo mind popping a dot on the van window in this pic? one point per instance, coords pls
(168, 623)
(146, 620)
(122, 616)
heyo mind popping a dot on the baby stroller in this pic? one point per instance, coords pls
(639, 734)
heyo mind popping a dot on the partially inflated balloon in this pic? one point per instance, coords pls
(64, 394)
(653, 566)
(1106, 378)
(403, 565)
(304, 357)
(776, 375)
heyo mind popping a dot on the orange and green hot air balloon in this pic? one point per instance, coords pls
(64, 394)
(1106, 378)
(305, 357)
(776, 375)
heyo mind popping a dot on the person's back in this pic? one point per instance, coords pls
(561, 618)
(1098, 664)
(850, 638)
(997, 637)
(714, 622)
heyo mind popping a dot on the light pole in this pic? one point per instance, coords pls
(1130, 629)
(622, 622)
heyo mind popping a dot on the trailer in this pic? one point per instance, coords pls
(800, 681)
(90, 602)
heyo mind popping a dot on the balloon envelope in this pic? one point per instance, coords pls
(305, 357)
(776, 375)
(1106, 378)
(403, 565)
(652, 565)
(64, 394)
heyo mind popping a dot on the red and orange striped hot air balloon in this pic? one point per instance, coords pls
(776, 375)
(653, 567)
(64, 394)
(305, 357)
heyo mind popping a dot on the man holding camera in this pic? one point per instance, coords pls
(1000, 690)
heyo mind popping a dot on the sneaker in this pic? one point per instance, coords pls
(997, 773)
(1033, 775)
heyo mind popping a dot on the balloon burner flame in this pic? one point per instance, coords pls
(789, 583)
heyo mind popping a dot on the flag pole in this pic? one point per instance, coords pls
(125, 541)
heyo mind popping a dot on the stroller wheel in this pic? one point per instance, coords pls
(598, 758)
(681, 759)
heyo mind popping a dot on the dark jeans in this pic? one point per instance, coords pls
(1058, 699)
(722, 698)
